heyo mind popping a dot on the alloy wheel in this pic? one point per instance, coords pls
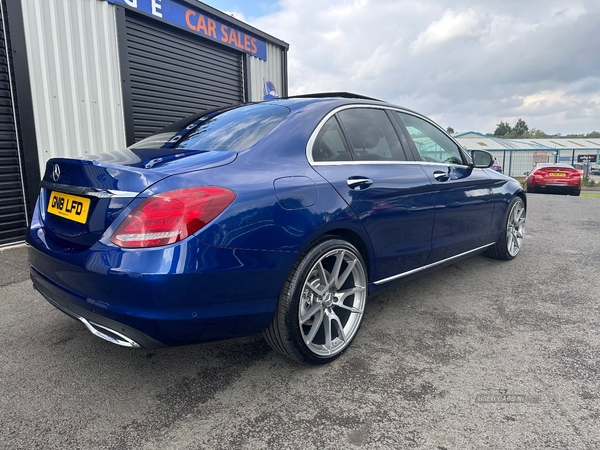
(515, 228)
(332, 302)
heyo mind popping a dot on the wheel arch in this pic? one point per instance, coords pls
(517, 194)
(288, 332)
(357, 241)
(355, 235)
(523, 197)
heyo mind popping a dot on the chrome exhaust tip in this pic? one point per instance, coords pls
(109, 335)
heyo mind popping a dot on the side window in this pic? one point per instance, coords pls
(371, 135)
(329, 145)
(433, 145)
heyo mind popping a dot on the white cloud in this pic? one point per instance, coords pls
(466, 63)
(451, 26)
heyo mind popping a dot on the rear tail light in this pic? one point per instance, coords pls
(171, 216)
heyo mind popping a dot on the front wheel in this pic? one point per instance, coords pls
(322, 303)
(511, 237)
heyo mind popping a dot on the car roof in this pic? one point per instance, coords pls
(561, 166)
(335, 95)
(338, 99)
(326, 100)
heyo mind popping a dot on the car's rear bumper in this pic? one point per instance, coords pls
(557, 187)
(107, 329)
(180, 294)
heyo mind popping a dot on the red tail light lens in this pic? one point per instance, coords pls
(171, 216)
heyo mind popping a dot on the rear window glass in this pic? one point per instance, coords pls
(233, 130)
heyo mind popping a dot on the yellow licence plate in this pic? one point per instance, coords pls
(69, 206)
(557, 174)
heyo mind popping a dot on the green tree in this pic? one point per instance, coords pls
(521, 131)
(520, 128)
(502, 129)
(536, 134)
(592, 135)
(450, 130)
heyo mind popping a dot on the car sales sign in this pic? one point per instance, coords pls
(195, 21)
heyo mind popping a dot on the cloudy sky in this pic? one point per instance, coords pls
(465, 63)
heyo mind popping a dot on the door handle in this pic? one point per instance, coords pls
(358, 183)
(441, 176)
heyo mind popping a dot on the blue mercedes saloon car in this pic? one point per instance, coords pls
(279, 218)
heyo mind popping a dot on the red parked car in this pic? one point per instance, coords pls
(560, 178)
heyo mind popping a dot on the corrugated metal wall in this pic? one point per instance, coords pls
(13, 215)
(270, 70)
(175, 74)
(75, 78)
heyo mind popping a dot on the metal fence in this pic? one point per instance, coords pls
(516, 162)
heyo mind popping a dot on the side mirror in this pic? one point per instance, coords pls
(526, 173)
(482, 159)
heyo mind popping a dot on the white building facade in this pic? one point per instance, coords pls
(82, 77)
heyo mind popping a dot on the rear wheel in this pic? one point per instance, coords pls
(322, 303)
(530, 190)
(576, 193)
(511, 237)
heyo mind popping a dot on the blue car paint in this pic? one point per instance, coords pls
(296, 192)
(464, 206)
(505, 189)
(225, 281)
(103, 175)
(132, 284)
(396, 212)
(168, 292)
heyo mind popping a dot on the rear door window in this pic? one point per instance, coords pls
(371, 135)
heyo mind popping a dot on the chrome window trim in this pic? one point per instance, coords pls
(330, 114)
(428, 266)
(431, 163)
(88, 191)
(355, 163)
(414, 163)
(431, 122)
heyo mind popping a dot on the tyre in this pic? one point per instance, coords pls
(511, 237)
(576, 193)
(530, 190)
(322, 303)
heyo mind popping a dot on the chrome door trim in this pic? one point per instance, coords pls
(428, 266)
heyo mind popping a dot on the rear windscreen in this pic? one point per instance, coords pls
(232, 130)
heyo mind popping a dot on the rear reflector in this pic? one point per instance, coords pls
(171, 216)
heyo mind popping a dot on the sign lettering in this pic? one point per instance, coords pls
(193, 20)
